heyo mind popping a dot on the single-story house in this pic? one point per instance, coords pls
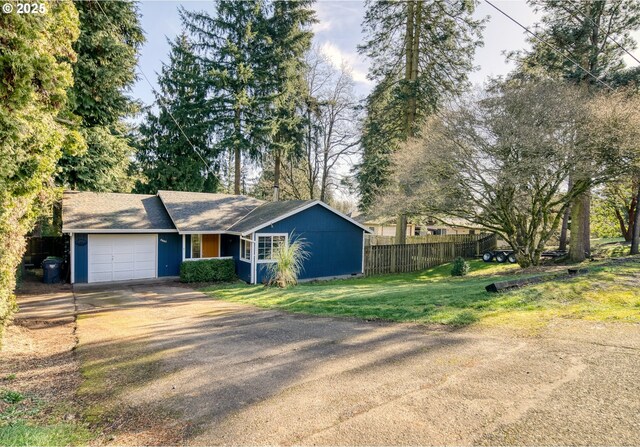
(117, 237)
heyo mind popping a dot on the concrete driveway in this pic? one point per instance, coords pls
(169, 364)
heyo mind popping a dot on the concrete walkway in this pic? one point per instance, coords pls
(210, 372)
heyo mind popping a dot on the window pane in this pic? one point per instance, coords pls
(196, 241)
(264, 247)
(278, 241)
(246, 249)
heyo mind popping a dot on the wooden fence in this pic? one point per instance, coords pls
(401, 258)
(372, 239)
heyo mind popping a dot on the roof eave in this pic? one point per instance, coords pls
(302, 208)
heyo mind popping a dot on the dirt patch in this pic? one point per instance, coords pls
(37, 361)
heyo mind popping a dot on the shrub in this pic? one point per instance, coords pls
(208, 270)
(288, 263)
(460, 267)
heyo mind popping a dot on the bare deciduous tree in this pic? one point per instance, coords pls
(502, 161)
(331, 135)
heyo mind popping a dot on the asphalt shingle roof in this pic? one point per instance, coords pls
(265, 213)
(194, 211)
(113, 211)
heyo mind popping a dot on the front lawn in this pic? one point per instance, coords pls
(608, 292)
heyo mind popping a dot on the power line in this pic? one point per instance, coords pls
(160, 100)
(574, 14)
(549, 45)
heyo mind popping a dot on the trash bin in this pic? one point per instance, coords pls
(51, 270)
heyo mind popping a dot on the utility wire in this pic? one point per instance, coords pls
(161, 101)
(574, 14)
(559, 52)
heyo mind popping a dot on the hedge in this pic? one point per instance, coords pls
(208, 270)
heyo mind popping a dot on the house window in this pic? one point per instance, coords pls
(267, 245)
(196, 246)
(245, 249)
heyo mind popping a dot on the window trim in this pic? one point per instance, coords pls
(191, 246)
(271, 235)
(241, 254)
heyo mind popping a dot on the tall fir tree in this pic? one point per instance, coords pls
(174, 148)
(421, 53)
(107, 49)
(594, 34)
(289, 39)
(232, 46)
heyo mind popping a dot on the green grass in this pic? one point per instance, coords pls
(610, 247)
(27, 420)
(607, 293)
(25, 434)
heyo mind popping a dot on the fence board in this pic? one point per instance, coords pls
(402, 258)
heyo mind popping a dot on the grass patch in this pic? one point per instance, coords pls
(607, 293)
(25, 434)
(23, 423)
(10, 397)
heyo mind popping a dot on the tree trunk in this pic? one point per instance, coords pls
(237, 154)
(413, 76)
(408, 62)
(564, 228)
(586, 222)
(635, 242)
(276, 177)
(576, 242)
(401, 229)
(625, 230)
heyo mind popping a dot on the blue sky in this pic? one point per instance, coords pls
(337, 33)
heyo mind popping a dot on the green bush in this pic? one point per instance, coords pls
(460, 267)
(208, 270)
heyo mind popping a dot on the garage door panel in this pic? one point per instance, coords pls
(101, 259)
(145, 265)
(101, 277)
(120, 257)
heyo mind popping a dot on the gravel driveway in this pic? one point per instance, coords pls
(176, 366)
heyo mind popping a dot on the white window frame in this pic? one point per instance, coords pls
(246, 241)
(191, 247)
(271, 235)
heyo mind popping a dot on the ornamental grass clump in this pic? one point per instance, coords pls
(460, 267)
(288, 263)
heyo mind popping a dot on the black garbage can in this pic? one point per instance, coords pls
(51, 270)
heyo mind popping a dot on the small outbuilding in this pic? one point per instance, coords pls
(119, 237)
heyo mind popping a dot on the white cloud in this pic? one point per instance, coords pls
(322, 26)
(337, 57)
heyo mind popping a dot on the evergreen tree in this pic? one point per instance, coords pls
(593, 34)
(290, 38)
(233, 48)
(107, 49)
(35, 74)
(176, 155)
(421, 53)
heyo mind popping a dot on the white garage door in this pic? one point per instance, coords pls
(118, 257)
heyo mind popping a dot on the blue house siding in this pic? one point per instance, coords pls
(81, 258)
(187, 246)
(230, 246)
(169, 256)
(334, 244)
